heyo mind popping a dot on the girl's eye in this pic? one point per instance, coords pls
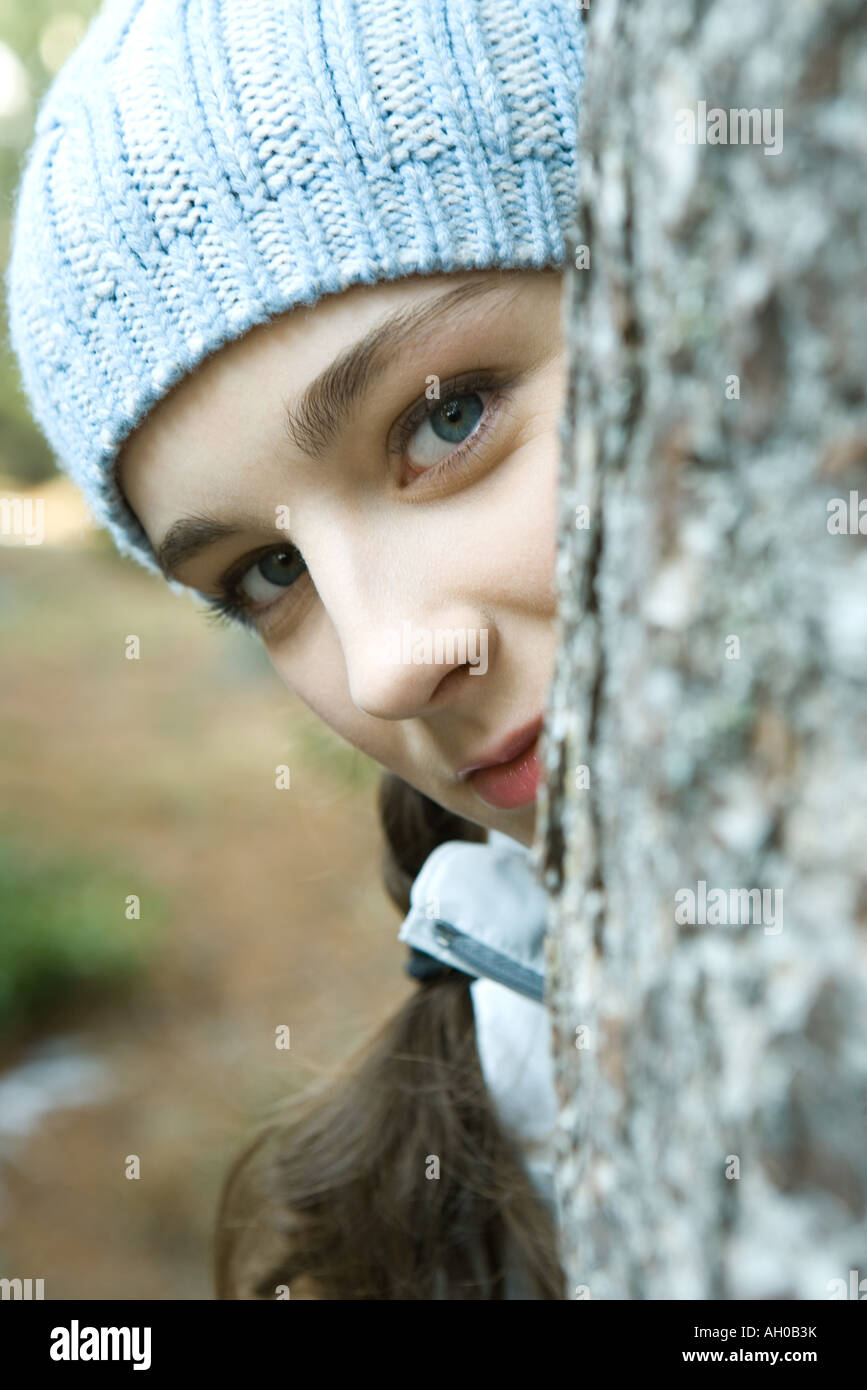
(435, 436)
(275, 570)
(445, 426)
(243, 591)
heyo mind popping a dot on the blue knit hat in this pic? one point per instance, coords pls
(199, 166)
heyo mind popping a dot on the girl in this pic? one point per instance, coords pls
(285, 289)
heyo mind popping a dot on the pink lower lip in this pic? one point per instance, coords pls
(512, 784)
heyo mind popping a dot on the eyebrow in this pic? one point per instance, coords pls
(321, 413)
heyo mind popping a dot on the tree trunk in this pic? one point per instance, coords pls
(707, 724)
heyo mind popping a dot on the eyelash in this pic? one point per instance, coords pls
(230, 608)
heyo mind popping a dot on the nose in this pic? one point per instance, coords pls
(400, 666)
(408, 642)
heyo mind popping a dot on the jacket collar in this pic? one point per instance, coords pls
(480, 908)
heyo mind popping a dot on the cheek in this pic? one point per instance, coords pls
(315, 671)
(522, 529)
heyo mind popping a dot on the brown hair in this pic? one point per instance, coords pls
(331, 1198)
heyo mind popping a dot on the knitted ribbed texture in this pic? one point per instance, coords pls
(199, 166)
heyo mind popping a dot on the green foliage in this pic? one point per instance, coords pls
(64, 931)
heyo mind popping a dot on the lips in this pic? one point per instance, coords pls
(510, 747)
(509, 775)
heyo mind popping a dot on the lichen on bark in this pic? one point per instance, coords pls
(712, 665)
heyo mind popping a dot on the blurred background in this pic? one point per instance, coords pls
(155, 777)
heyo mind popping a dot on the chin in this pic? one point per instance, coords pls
(521, 826)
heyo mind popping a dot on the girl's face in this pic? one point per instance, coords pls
(373, 482)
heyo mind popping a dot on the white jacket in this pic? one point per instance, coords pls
(479, 908)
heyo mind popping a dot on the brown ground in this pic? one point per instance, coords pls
(166, 765)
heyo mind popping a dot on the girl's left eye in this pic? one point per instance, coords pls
(443, 430)
(447, 425)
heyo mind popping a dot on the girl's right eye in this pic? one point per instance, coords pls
(245, 591)
(275, 569)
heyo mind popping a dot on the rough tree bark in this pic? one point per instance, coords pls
(712, 668)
